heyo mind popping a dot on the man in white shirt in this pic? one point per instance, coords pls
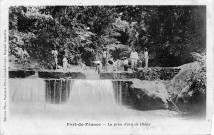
(98, 65)
(134, 58)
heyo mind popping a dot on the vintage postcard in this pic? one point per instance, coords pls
(106, 67)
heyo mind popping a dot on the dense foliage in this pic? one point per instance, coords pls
(171, 33)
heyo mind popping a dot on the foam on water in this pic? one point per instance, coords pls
(86, 98)
(27, 90)
(96, 95)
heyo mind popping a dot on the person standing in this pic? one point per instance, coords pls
(126, 64)
(146, 55)
(98, 65)
(115, 64)
(55, 54)
(104, 58)
(25, 57)
(65, 63)
(134, 58)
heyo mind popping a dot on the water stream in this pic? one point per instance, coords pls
(48, 105)
(92, 93)
(71, 96)
(61, 98)
(27, 90)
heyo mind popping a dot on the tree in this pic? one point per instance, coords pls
(171, 33)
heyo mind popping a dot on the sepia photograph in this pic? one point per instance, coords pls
(111, 69)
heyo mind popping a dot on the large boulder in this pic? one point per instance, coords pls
(188, 88)
(183, 78)
(149, 95)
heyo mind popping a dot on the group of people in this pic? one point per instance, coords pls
(101, 64)
(64, 57)
(135, 58)
(54, 52)
(132, 62)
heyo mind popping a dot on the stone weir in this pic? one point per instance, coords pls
(46, 74)
(135, 90)
(59, 75)
(21, 73)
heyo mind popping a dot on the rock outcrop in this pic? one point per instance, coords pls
(188, 88)
(149, 95)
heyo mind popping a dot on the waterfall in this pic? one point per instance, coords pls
(64, 98)
(72, 96)
(76, 92)
(58, 90)
(92, 94)
(27, 90)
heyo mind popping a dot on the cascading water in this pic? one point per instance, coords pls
(62, 94)
(74, 99)
(58, 90)
(92, 95)
(27, 90)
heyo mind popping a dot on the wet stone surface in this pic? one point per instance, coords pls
(20, 74)
(57, 91)
(58, 75)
